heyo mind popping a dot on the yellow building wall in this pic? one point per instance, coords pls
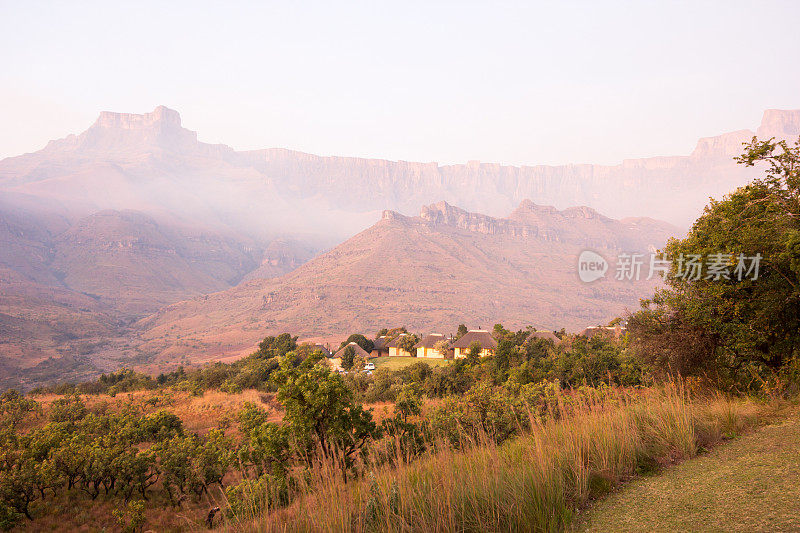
(397, 352)
(433, 353)
(459, 352)
(429, 353)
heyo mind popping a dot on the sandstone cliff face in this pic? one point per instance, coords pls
(445, 214)
(721, 146)
(151, 162)
(582, 226)
(779, 123)
(125, 136)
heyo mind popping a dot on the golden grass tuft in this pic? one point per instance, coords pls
(535, 482)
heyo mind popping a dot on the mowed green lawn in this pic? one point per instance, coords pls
(395, 363)
(749, 484)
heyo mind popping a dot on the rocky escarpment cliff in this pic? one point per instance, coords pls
(151, 159)
(580, 225)
(444, 214)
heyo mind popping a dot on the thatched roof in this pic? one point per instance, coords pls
(322, 349)
(483, 337)
(547, 335)
(394, 343)
(430, 340)
(381, 343)
(359, 351)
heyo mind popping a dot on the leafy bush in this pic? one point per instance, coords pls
(251, 497)
(70, 409)
(484, 411)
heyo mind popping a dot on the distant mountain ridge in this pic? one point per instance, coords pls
(150, 162)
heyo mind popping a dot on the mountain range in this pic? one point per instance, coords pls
(151, 163)
(133, 242)
(430, 272)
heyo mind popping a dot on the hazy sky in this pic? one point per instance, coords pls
(423, 81)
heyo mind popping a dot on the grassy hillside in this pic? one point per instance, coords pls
(518, 441)
(534, 482)
(750, 484)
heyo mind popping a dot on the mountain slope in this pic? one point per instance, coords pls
(430, 272)
(139, 265)
(70, 286)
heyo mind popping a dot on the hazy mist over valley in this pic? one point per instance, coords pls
(103, 228)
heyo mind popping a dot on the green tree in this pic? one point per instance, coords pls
(135, 472)
(474, 353)
(19, 486)
(14, 407)
(537, 348)
(276, 346)
(321, 410)
(266, 450)
(407, 342)
(175, 463)
(366, 344)
(251, 416)
(442, 348)
(507, 351)
(499, 332)
(348, 357)
(396, 332)
(739, 332)
(408, 437)
(70, 409)
(191, 464)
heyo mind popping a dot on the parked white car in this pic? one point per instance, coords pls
(369, 366)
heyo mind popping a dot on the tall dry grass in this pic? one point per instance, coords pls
(535, 482)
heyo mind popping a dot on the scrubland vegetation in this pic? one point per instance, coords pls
(471, 446)
(192, 440)
(587, 443)
(522, 440)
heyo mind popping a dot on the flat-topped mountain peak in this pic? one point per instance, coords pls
(779, 123)
(160, 116)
